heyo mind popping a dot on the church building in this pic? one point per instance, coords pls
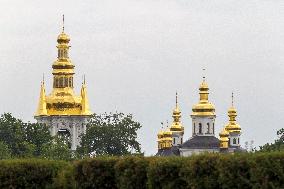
(65, 113)
(203, 139)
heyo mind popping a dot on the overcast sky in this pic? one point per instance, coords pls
(137, 53)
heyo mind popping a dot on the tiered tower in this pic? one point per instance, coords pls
(233, 127)
(64, 112)
(203, 114)
(176, 128)
(203, 126)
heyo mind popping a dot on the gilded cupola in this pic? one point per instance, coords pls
(204, 107)
(233, 126)
(176, 124)
(224, 138)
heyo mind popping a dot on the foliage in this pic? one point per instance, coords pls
(131, 172)
(5, 152)
(110, 134)
(248, 170)
(96, 173)
(23, 139)
(57, 149)
(278, 144)
(38, 135)
(32, 173)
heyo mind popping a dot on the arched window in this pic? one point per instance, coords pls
(234, 141)
(208, 128)
(181, 140)
(174, 140)
(213, 128)
(61, 82)
(194, 128)
(66, 82)
(238, 140)
(70, 83)
(200, 128)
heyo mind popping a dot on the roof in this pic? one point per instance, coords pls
(201, 142)
(173, 151)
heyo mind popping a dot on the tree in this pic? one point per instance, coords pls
(57, 149)
(278, 144)
(23, 139)
(5, 152)
(110, 134)
(12, 134)
(38, 135)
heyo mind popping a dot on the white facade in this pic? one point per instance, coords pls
(177, 138)
(234, 139)
(203, 126)
(74, 125)
(189, 152)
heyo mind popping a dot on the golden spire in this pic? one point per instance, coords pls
(41, 110)
(85, 101)
(204, 107)
(232, 126)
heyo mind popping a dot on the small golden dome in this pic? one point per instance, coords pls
(167, 133)
(203, 86)
(160, 134)
(232, 126)
(224, 133)
(63, 38)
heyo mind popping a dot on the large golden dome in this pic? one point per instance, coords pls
(204, 107)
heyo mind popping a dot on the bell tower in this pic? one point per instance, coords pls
(62, 111)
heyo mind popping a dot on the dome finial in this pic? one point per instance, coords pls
(84, 81)
(203, 74)
(43, 78)
(232, 99)
(176, 99)
(63, 23)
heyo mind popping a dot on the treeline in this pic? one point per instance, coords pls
(249, 170)
(107, 134)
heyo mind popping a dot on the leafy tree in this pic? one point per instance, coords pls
(5, 152)
(12, 134)
(278, 144)
(38, 135)
(57, 149)
(110, 134)
(23, 139)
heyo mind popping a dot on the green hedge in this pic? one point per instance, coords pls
(32, 173)
(263, 170)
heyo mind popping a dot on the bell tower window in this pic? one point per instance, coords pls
(200, 128)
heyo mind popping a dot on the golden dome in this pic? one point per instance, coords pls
(176, 125)
(160, 134)
(224, 133)
(63, 38)
(167, 133)
(232, 126)
(204, 107)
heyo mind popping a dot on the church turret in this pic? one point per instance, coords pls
(176, 128)
(203, 114)
(233, 127)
